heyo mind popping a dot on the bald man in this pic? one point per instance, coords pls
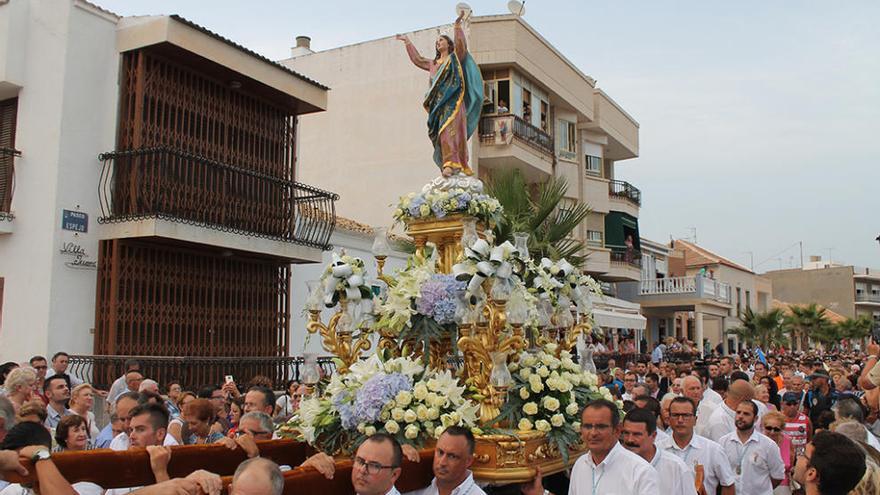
(723, 419)
(692, 388)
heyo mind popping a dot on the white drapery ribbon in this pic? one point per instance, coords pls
(343, 272)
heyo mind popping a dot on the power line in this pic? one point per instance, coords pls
(776, 255)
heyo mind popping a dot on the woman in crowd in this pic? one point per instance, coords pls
(199, 414)
(177, 426)
(72, 434)
(173, 390)
(774, 427)
(772, 390)
(21, 387)
(82, 398)
(289, 402)
(763, 395)
(5, 369)
(234, 412)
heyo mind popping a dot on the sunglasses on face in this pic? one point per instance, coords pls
(774, 429)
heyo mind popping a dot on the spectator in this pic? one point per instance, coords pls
(5, 369)
(762, 395)
(57, 393)
(639, 436)
(133, 381)
(798, 427)
(109, 432)
(7, 416)
(754, 457)
(41, 366)
(850, 408)
(288, 404)
(21, 386)
(259, 399)
(60, 362)
(199, 416)
(832, 465)
(652, 382)
(822, 396)
(723, 419)
(174, 391)
(127, 405)
(119, 386)
(629, 381)
(32, 441)
(774, 427)
(177, 426)
(82, 399)
(870, 481)
(218, 398)
(234, 413)
(72, 434)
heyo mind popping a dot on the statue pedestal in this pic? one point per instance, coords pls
(445, 232)
(503, 459)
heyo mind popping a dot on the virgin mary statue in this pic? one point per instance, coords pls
(454, 100)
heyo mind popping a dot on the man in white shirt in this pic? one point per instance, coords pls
(57, 393)
(453, 457)
(608, 467)
(639, 436)
(723, 419)
(692, 388)
(377, 466)
(695, 450)
(126, 406)
(629, 381)
(753, 456)
(60, 362)
(119, 386)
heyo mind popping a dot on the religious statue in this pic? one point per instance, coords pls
(454, 100)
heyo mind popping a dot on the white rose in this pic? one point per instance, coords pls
(571, 409)
(428, 425)
(455, 417)
(523, 393)
(420, 391)
(433, 413)
(361, 427)
(369, 430)
(404, 398)
(542, 425)
(530, 361)
(430, 399)
(530, 408)
(551, 403)
(392, 427)
(411, 432)
(576, 425)
(410, 416)
(438, 431)
(543, 372)
(397, 414)
(557, 420)
(535, 384)
(422, 412)
(385, 416)
(525, 373)
(524, 425)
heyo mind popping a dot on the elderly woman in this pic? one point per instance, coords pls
(199, 415)
(774, 427)
(21, 387)
(82, 398)
(72, 434)
(762, 394)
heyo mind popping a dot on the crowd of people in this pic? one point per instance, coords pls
(749, 424)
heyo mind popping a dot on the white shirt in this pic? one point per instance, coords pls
(467, 487)
(758, 460)
(722, 422)
(675, 476)
(74, 381)
(620, 473)
(704, 413)
(392, 491)
(118, 388)
(122, 442)
(712, 396)
(872, 440)
(702, 451)
(84, 488)
(661, 436)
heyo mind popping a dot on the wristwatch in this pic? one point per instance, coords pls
(40, 455)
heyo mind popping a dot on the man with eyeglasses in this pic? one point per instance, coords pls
(752, 455)
(639, 436)
(698, 453)
(608, 467)
(376, 466)
(832, 464)
(453, 457)
(629, 381)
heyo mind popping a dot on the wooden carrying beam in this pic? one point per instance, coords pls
(113, 469)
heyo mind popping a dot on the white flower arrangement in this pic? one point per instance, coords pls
(440, 203)
(547, 395)
(344, 278)
(482, 261)
(397, 396)
(554, 280)
(398, 308)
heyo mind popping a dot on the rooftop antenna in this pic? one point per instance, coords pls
(517, 8)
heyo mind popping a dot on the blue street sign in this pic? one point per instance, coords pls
(75, 221)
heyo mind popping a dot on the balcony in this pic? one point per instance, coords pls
(503, 137)
(628, 257)
(868, 298)
(686, 287)
(624, 265)
(626, 191)
(7, 187)
(177, 191)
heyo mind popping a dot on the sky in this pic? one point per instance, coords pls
(758, 120)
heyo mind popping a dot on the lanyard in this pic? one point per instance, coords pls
(596, 481)
(742, 457)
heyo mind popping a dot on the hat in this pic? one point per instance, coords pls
(24, 434)
(820, 373)
(791, 397)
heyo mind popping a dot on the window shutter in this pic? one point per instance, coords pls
(8, 112)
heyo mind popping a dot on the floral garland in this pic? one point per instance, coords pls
(547, 394)
(483, 261)
(556, 279)
(344, 278)
(442, 203)
(397, 396)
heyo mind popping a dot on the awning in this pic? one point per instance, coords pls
(611, 312)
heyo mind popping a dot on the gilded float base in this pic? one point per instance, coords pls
(503, 459)
(445, 233)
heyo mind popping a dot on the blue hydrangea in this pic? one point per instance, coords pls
(370, 399)
(438, 296)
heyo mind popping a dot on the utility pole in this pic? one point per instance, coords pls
(801, 243)
(751, 259)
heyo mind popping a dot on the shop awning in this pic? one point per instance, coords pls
(610, 312)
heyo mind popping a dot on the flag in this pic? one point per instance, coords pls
(761, 356)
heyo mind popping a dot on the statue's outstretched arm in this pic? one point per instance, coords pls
(417, 59)
(460, 41)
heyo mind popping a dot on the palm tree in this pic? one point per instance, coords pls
(855, 328)
(763, 329)
(547, 215)
(807, 322)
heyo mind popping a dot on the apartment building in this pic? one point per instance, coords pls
(689, 291)
(542, 115)
(850, 291)
(155, 210)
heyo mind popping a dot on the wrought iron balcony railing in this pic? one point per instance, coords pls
(193, 372)
(7, 181)
(630, 257)
(175, 185)
(498, 128)
(625, 190)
